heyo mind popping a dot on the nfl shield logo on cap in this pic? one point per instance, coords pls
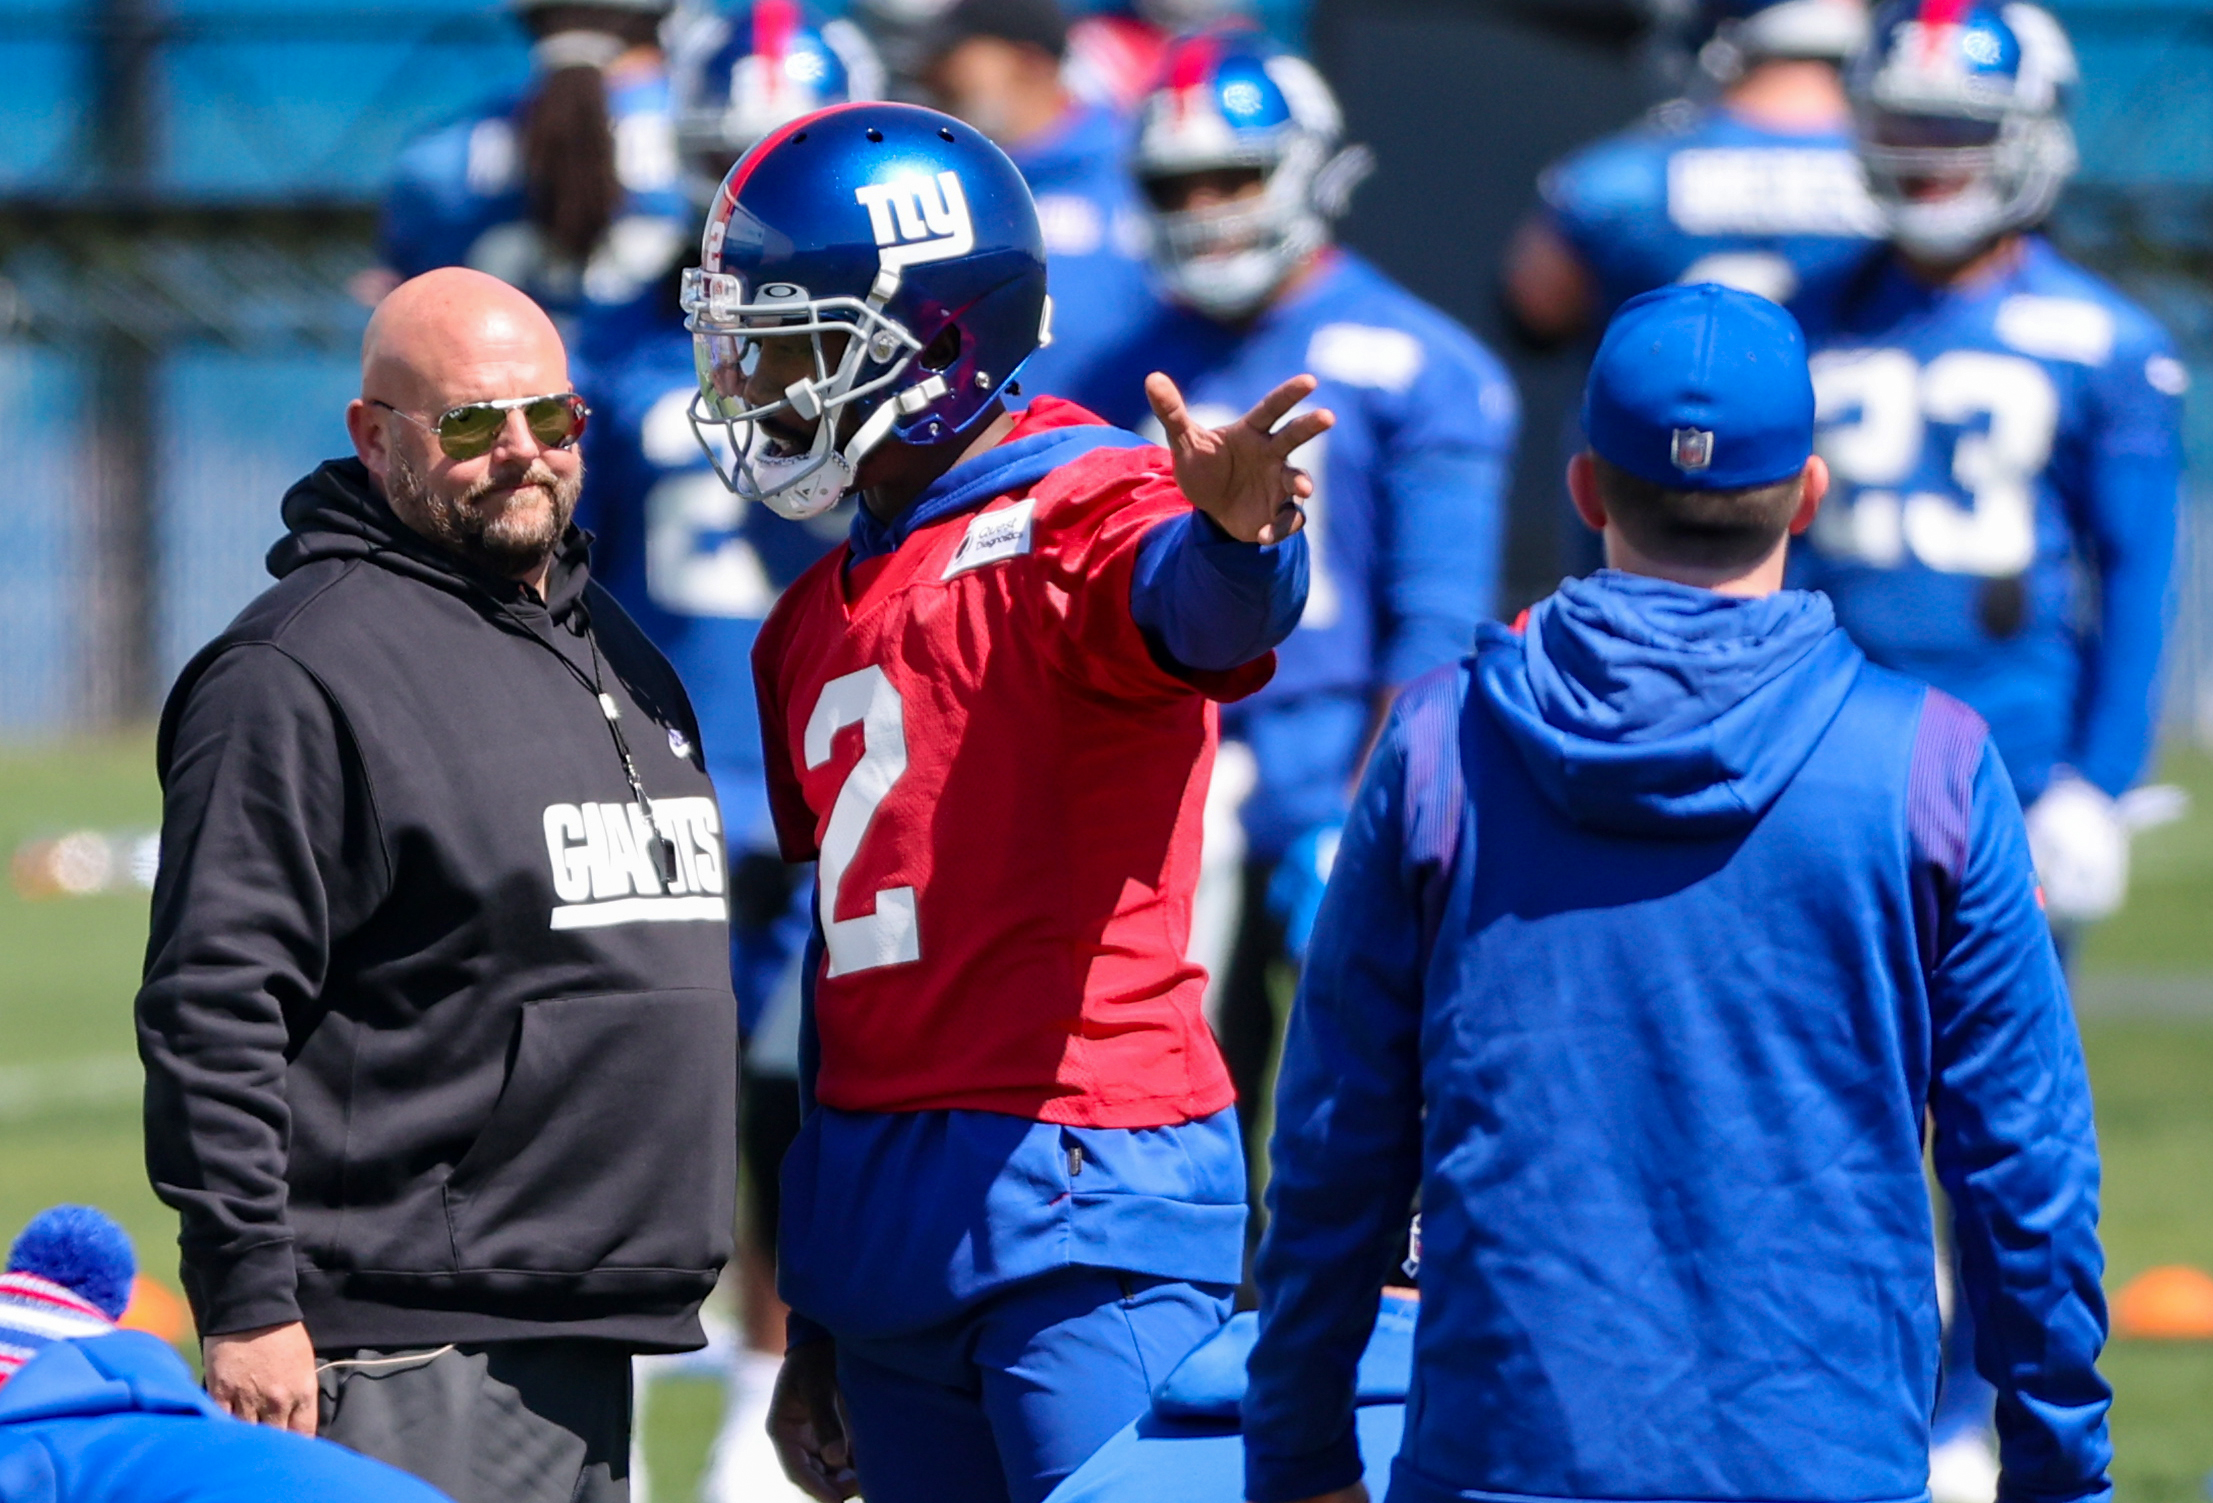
(1693, 448)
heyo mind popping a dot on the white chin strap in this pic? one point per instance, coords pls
(798, 486)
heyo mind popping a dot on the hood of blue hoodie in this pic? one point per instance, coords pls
(1650, 708)
(124, 1372)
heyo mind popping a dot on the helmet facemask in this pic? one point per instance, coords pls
(2007, 168)
(1228, 258)
(1957, 156)
(857, 353)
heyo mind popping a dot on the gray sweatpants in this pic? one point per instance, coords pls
(504, 1422)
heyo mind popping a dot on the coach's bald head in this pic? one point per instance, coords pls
(443, 340)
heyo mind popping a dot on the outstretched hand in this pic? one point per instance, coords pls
(1241, 475)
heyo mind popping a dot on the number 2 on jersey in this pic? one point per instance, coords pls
(888, 935)
(1875, 407)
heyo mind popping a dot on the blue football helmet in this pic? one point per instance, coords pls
(904, 247)
(1959, 107)
(736, 76)
(1231, 99)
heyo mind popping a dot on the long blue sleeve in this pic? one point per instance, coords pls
(1444, 525)
(2016, 1150)
(1211, 603)
(1346, 1152)
(2134, 486)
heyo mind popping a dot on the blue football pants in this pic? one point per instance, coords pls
(1000, 1404)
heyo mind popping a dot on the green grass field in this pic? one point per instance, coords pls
(69, 1125)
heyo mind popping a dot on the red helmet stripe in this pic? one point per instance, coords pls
(1190, 65)
(774, 22)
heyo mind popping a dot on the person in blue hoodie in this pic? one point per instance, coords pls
(93, 1414)
(1658, 931)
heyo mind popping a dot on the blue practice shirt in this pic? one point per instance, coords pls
(457, 198)
(1094, 235)
(1698, 194)
(1407, 519)
(2007, 478)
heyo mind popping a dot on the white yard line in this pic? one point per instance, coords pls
(2111, 995)
(28, 1092)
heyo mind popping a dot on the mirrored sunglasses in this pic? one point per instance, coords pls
(470, 430)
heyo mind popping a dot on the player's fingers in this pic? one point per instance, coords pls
(803, 1466)
(1290, 519)
(1269, 410)
(301, 1421)
(1301, 429)
(1167, 404)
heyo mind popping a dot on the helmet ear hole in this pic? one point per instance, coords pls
(941, 351)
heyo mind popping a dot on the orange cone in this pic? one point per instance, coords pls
(2173, 1303)
(156, 1311)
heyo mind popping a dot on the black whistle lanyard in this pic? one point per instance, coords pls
(660, 850)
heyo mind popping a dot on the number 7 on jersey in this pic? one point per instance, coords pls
(889, 935)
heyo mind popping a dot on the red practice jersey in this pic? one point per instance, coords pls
(1003, 789)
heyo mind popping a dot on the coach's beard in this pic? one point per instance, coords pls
(510, 539)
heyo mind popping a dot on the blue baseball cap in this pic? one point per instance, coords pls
(1701, 388)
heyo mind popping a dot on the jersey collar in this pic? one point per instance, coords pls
(1042, 441)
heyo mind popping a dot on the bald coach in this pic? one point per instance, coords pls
(439, 1041)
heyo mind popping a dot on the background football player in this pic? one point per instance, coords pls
(1756, 188)
(570, 191)
(1238, 153)
(999, 65)
(2002, 427)
(1017, 1195)
(698, 567)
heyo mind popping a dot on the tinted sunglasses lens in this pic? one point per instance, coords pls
(466, 432)
(555, 422)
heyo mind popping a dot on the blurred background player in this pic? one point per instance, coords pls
(1755, 188)
(2003, 427)
(1238, 153)
(698, 567)
(2003, 431)
(998, 64)
(569, 192)
(1016, 1197)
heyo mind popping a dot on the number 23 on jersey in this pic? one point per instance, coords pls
(1876, 407)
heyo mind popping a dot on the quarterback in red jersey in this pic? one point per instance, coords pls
(1017, 1198)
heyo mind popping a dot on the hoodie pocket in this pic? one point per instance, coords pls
(612, 1145)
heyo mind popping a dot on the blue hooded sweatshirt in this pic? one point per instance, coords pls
(118, 1419)
(1657, 933)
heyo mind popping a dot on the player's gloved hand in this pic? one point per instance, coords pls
(2080, 843)
(806, 1420)
(1295, 887)
(1241, 475)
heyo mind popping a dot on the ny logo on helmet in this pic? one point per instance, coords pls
(918, 219)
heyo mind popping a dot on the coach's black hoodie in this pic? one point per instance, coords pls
(433, 1053)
